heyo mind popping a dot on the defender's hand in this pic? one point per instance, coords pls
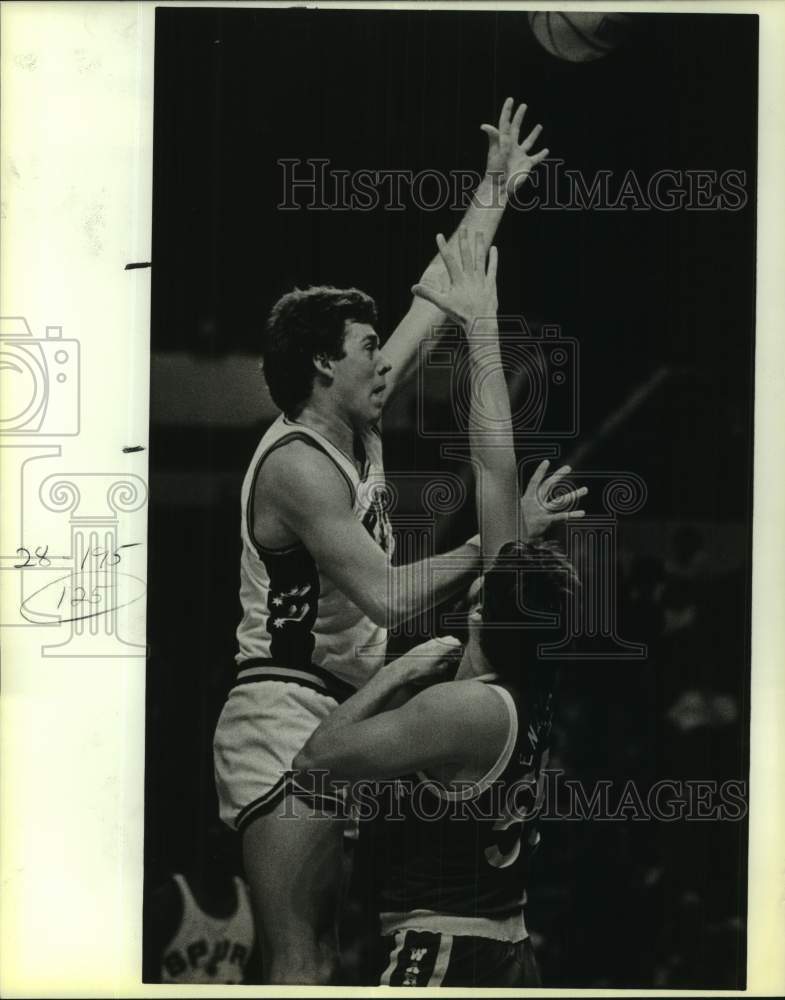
(430, 661)
(472, 291)
(540, 508)
(510, 162)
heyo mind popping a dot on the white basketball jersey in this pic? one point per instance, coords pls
(294, 616)
(209, 949)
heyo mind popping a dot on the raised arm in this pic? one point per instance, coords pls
(313, 502)
(471, 302)
(508, 164)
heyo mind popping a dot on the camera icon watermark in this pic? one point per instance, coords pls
(40, 381)
(544, 364)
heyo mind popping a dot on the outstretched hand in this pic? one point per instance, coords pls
(509, 161)
(541, 507)
(471, 293)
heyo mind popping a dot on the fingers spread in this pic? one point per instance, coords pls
(517, 119)
(559, 474)
(479, 252)
(568, 499)
(504, 117)
(539, 472)
(467, 260)
(492, 132)
(430, 295)
(493, 262)
(449, 261)
(531, 138)
(569, 515)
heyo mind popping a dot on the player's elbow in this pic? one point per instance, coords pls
(317, 754)
(318, 759)
(308, 758)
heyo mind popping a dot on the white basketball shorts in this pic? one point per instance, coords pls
(263, 726)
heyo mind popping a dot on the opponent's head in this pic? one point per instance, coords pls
(324, 336)
(525, 581)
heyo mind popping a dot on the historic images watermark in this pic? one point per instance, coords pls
(546, 795)
(313, 184)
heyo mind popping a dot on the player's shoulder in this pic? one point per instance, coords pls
(302, 472)
(467, 701)
(468, 720)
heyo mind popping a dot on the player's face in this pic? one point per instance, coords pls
(360, 381)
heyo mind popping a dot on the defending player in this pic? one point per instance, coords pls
(317, 589)
(451, 875)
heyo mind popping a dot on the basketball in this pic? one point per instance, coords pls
(580, 36)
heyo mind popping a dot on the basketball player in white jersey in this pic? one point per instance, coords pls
(451, 879)
(317, 588)
(199, 934)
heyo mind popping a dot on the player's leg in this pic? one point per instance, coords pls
(294, 865)
(293, 861)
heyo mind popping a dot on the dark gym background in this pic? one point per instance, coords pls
(613, 904)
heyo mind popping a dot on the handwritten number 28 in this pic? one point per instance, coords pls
(39, 555)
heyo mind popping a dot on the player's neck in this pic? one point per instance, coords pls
(330, 424)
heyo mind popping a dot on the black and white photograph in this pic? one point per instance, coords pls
(453, 340)
(391, 532)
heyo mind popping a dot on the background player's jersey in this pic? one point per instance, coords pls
(294, 616)
(469, 860)
(207, 949)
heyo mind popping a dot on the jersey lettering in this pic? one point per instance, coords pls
(209, 949)
(175, 964)
(504, 851)
(239, 954)
(196, 951)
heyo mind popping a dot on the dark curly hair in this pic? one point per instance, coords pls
(525, 581)
(302, 324)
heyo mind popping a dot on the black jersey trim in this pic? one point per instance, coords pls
(260, 804)
(320, 680)
(365, 460)
(296, 435)
(287, 785)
